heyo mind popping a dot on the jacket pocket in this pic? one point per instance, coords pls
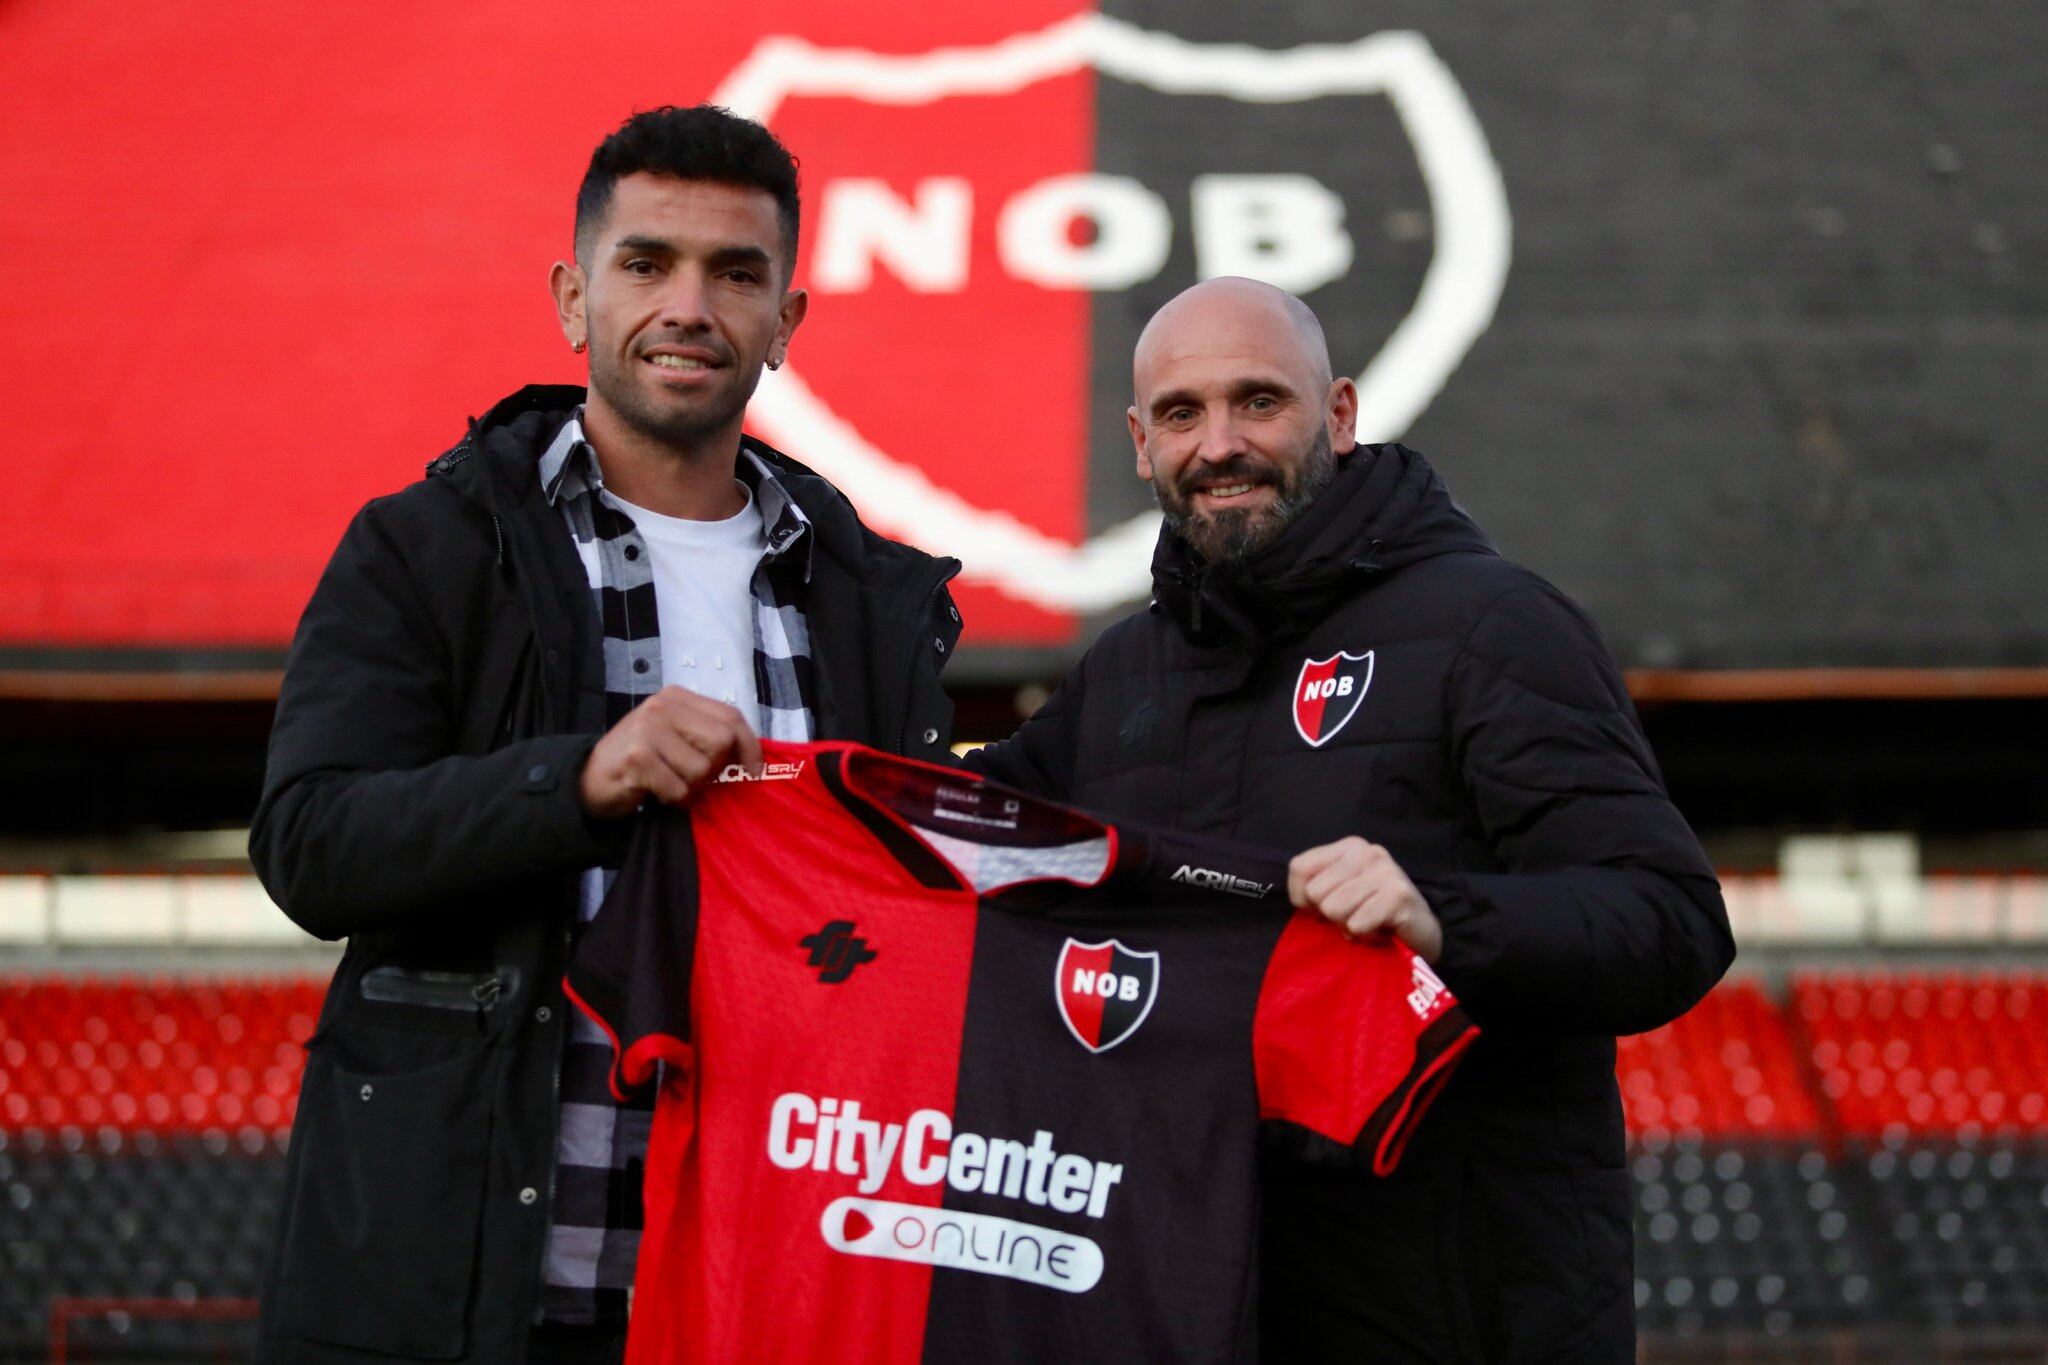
(380, 1235)
(464, 992)
(401, 999)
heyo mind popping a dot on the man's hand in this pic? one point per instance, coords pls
(1358, 886)
(666, 747)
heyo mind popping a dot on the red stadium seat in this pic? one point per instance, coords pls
(1727, 1069)
(161, 1055)
(1920, 1054)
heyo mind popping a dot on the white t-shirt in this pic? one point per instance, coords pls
(703, 593)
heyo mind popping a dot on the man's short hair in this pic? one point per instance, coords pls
(702, 142)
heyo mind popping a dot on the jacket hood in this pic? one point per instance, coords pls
(1386, 508)
(512, 435)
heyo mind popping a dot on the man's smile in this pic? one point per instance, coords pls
(1216, 497)
(682, 365)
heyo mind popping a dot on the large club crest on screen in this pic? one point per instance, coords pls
(979, 223)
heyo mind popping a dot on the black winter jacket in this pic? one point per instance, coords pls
(421, 799)
(1496, 755)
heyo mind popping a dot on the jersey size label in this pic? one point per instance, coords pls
(975, 805)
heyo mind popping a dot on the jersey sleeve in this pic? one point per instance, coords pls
(631, 969)
(1351, 1042)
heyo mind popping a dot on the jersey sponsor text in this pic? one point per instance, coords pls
(830, 1135)
(959, 1240)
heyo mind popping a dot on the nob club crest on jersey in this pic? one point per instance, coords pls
(1104, 991)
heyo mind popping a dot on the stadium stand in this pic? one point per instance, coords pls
(142, 1130)
(1862, 1158)
(162, 1056)
(1868, 1163)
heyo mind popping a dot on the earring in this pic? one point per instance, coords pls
(774, 364)
(577, 346)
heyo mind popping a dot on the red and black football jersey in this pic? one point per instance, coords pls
(952, 1073)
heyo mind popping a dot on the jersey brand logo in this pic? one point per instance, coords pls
(1327, 694)
(1136, 731)
(770, 772)
(836, 951)
(1430, 997)
(1191, 875)
(1104, 991)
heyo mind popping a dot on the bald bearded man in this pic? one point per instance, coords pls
(1338, 661)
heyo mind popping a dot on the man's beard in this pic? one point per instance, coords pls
(681, 428)
(1234, 535)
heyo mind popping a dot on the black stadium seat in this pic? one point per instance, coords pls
(1758, 1240)
(1966, 1225)
(183, 1219)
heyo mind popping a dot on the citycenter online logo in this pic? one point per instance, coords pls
(962, 1241)
(806, 1133)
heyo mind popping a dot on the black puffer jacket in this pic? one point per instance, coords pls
(442, 692)
(1494, 752)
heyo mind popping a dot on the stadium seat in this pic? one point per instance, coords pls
(1755, 1239)
(167, 1056)
(1913, 1196)
(133, 1216)
(1727, 1069)
(142, 1132)
(1873, 1157)
(1929, 1054)
(1966, 1228)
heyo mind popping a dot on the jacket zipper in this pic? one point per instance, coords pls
(555, 1088)
(927, 623)
(435, 990)
(509, 549)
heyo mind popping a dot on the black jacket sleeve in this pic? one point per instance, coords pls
(1607, 917)
(368, 819)
(1039, 758)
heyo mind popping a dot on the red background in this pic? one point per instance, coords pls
(265, 259)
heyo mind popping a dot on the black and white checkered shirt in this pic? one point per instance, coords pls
(594, 1237)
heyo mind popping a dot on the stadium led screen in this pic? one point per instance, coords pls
(1729, 319)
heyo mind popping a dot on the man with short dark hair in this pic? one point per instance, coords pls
(595, 600)
(1337, 660)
